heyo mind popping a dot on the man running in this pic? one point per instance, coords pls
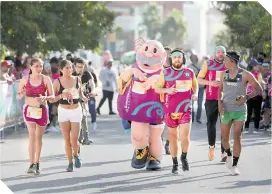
(232, 105)
(210, 75)
(180, 86)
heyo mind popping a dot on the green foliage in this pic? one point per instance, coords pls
(47, 26)
(249, 26)
(170, 31)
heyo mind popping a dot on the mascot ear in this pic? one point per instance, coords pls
(138, 43)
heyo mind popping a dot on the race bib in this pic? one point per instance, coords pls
(34, 112)
(137, 88)
(183, 85)
(218, 75)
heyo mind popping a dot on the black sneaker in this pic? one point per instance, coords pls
(185, 165)
(175, 169)
(31, 169)
(98, 111)
(167, 149)
(112, 113)
(199, 122)
(37, 169)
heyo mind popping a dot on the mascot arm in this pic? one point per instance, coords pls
(159, 87)
(124, 79)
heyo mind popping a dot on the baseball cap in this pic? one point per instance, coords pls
(6, 63)
(254, 62)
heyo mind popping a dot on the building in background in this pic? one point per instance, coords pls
(129, 19)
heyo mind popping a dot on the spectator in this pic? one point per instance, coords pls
(108, 78)
(26, 66)
(4, 72)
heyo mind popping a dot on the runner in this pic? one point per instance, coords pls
(69, 92)
(232, 105)
(209, 75)
(37, 89)
(179, 85)
(167, 64)
(88, 87)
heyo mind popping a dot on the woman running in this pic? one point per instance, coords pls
(37, 89)
(68, 89)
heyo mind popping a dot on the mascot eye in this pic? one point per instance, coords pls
(146, 48)
(155, 50)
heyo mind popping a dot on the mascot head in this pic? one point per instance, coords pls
(150, 56)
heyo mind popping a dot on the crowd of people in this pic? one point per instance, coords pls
(60, 95)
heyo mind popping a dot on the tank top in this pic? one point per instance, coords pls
(62, 101)
(179, 102)
(214, 70)
(35, 91)
(232, 88)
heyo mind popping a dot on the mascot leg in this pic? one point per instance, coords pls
(155, 147)
(139, 139)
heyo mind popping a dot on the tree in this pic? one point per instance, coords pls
(151, 19)
(46, 26)
(249, 24)
(170, 31)
(174, 29)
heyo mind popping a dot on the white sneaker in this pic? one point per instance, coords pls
(235, 171)
(229, 162)
(94, 127)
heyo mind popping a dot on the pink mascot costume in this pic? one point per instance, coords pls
(138, 103)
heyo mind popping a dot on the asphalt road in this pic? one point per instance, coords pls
(106, 165)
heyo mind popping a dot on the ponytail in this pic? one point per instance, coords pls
(61, 74)
(30, 71)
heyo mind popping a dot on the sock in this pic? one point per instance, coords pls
(167, 142)
(211, 146)
(175, 160)
(235, 160)
(228, 152)
(183, 155)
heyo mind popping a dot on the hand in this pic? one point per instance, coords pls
(84, 99)
(138, 74)
(65, 95)
(214, 83)
(220, 107)
(41, 98)
(21, 94)
(150, 82)
(241, 100)
(194, 97)
(172, 90)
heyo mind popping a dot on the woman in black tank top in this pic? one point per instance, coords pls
(69, 92)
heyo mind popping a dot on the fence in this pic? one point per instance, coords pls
(11, 109)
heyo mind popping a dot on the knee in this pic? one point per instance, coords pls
(185, 139)
(172, 136)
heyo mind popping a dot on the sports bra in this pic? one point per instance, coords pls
(73, 91)
(35, 91)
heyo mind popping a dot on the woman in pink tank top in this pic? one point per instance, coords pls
(37, 90)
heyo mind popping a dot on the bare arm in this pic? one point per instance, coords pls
(55, 90)
(220, 88)
(254, 83)
(49, 85)
(202, 73)
(195, 86)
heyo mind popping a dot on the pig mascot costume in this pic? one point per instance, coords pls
(138, 103)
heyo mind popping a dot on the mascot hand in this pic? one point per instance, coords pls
(138, 74)
(150, 82)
